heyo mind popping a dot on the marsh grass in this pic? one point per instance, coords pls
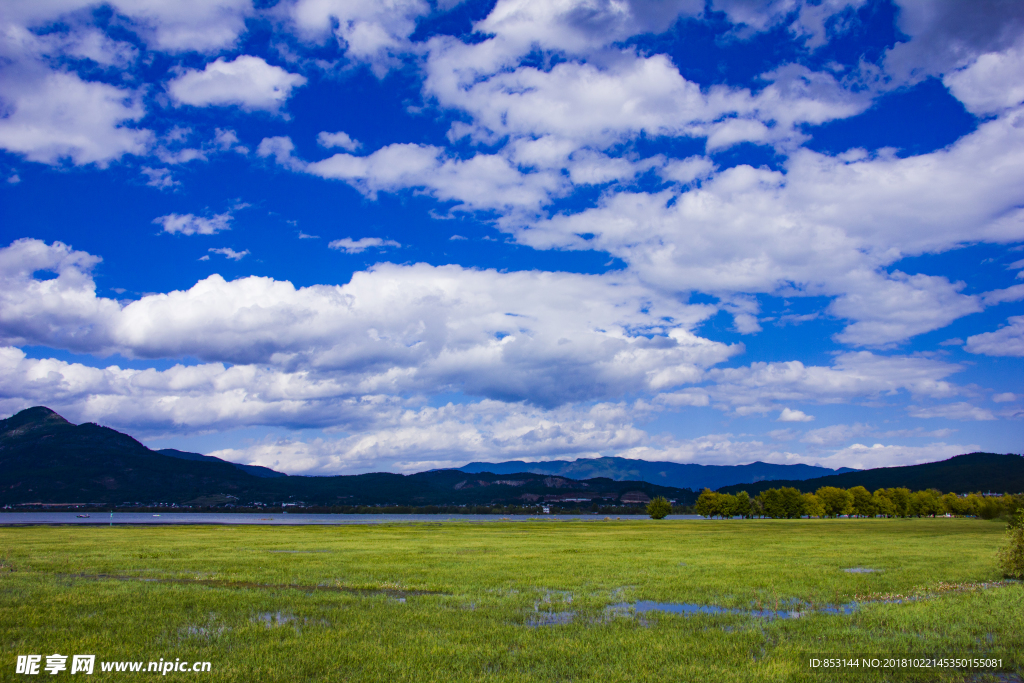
(522, 601)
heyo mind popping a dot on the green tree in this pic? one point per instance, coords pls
(926, 503)
(955, 505)
(900, 498)
(784, 503)
(813, 506)
(1011, 557)
(659, 508)
(990, 508)
(862, 505)
(837, 501)
(741, 505)
(707, 503)
(883, 504)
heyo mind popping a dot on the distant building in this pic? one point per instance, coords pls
(634, 498)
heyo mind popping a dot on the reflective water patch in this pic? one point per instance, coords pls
(550, 619)
(691, 609)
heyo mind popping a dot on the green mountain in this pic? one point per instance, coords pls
(46, 459)
(960, 474)
(680, 475)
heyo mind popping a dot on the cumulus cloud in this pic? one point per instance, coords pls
(946, 35)
(56, 116)
(952, 411)
(339, 139)
(549, 338)
(247, 81)
(1006, 341)
(762, 387)
(834, 434)
(991, 83)
(180, 26)
(790, 415)
(229, 253)
(825, 226)
(899, 307)
(351, 246)
(449, 436)
(372, 31)
(484, 181)
(597, 105)
(189, 224)
(378, 431)
(860, 456)
(159, 177)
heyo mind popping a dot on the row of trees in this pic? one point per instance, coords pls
(831, 501)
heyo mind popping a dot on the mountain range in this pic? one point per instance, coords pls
(44, 459)
(995, 472)
(695, 477)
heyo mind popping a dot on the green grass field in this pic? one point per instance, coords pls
(458, 601)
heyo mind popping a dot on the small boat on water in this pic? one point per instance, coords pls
(82, 516)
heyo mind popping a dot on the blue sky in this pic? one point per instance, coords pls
(339, 236)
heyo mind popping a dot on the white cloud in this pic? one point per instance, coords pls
(159, 177)
(600, 104)
(184, 25)
(1006, 341)
(899, 307)
(990, 84)
(449, 436)
(485, 181)
(247, 81)
(762, 387)
(350, 246)
(790, 415)
(1004, 397)
(549, 338)
(189, 224)
(952, 411)
(947, 35)
(229, 253)
(998, 296)
(372, 31)
(860, 456)
(227, 140)
(55, 116)
(339, 139)
(826, 226)
(687, 397)
(833, 434)
(179, 26)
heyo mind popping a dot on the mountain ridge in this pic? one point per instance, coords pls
(680, 475)
(965, 473)
(46, 459)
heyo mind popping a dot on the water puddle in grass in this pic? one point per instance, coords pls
(797, 610)
(861, 570)
(550, 619)
(219, 583)
(274, 618)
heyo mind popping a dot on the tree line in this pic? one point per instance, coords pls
(830, 501)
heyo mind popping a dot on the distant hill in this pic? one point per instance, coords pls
(46, 459)
(960, 474)
(689, 476)
(254, 470)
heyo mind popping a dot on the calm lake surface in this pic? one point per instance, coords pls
(287, 519)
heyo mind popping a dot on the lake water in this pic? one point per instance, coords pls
(286, 519)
